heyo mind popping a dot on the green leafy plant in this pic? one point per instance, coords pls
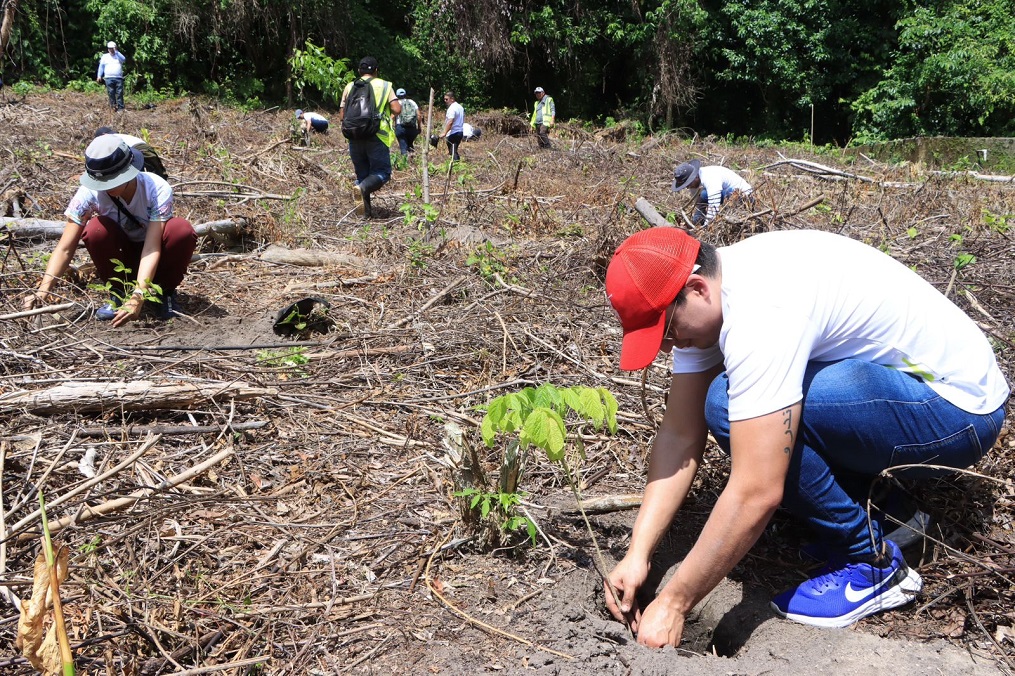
(538, 416)
(963, 260)
(912, 233)
(488, 260)
(422, 215)
(312, 67)
(999, 223)
(288, 359)
(504, 506)
(121, 287)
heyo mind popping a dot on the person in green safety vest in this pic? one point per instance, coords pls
(543, 117)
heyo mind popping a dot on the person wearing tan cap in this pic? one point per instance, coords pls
(544, 115)
(816, 362)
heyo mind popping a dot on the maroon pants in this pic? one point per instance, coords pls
(105, 241)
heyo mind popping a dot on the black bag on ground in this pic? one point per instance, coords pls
(362, 119)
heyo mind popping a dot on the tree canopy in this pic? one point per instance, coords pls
(872, 69)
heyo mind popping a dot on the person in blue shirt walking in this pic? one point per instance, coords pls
(111, 72)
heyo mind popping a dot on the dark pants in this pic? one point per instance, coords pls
(371, 156)
(543, 136)
(406, 135)
(105, 240)
(114, 89)
(454, 141)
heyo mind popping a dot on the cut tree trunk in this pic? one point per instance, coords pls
(138, 395)
(37, 227)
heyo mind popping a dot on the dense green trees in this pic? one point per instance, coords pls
(871, 68)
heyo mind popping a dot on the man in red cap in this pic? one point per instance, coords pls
(816, 362)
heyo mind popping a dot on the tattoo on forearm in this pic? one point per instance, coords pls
(787, 418)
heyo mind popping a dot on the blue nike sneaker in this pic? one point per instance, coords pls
(846, 591)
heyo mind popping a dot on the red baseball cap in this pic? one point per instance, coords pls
(647, 272)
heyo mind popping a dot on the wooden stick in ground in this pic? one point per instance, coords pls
(118, 504)
(426, 151)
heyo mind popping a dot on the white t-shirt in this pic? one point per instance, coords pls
(791, 297)
(153, 201)
(457, 115)
(717, 181)
(314, 116)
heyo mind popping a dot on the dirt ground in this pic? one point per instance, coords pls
(293, 510)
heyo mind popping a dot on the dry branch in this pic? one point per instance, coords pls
(310, 258)
(118, 504)
(135, 395)
(38, 311)
(37, 227)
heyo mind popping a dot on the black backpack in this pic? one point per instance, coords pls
(362, 119)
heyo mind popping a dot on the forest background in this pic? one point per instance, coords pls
(872, 69)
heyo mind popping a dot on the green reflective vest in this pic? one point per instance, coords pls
(382, 89)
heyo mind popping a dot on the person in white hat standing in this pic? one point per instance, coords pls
(543, 117)
(126, 215)
(111, 72)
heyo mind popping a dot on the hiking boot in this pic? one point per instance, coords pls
(106, 312)
(844, 592)
(168, 308)
(357, 197)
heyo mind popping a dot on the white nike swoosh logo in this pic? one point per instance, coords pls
(853, 595)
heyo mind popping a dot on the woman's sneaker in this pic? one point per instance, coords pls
(106, 312)
(844, 592)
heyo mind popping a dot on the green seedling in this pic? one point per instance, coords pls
(121, 280)
(538, 417)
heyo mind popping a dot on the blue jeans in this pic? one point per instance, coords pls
(858, 419)
(114, 90)
(406, 135)
(371, 156)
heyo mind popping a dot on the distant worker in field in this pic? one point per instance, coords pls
(470, 133)
(816, 362)
(715, 185)
(454, 121)
(311, 122)
(407, 124)
(543, 117)
(111, 72)
(368, 103)
(123, 214)
(152, 161)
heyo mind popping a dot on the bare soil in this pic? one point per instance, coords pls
(328, 540)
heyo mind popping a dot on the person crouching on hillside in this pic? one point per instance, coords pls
(125, 215)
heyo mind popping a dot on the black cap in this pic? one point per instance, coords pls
(102, 131)
(684, 174)
(367, 64)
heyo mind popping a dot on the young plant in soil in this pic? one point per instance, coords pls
(538, 415)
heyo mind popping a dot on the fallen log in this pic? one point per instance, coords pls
(39, 228)
(136, 395)
(649, 213)
(310, 258)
